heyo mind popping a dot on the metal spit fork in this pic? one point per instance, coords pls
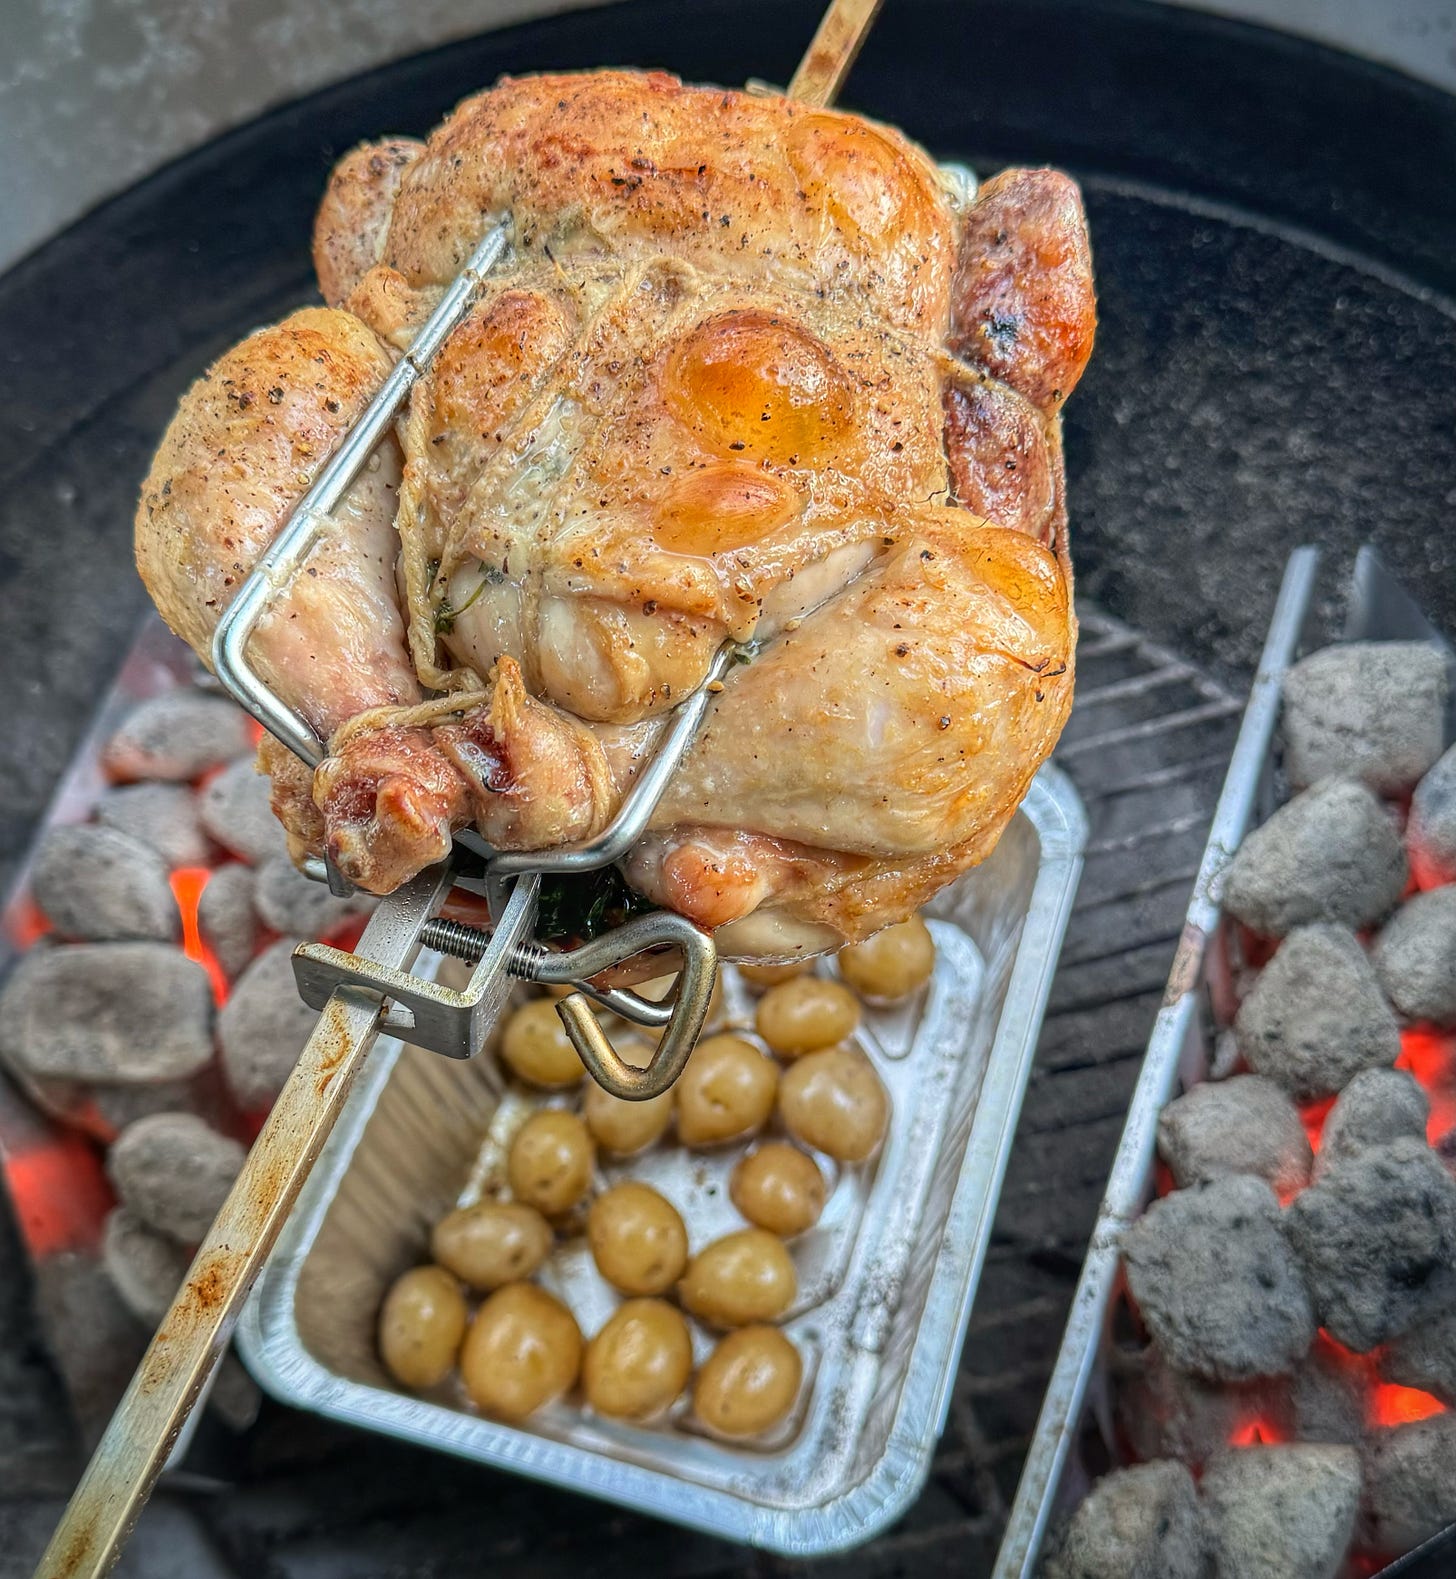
(359, 994)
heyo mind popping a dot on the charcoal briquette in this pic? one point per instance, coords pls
(1331, 854)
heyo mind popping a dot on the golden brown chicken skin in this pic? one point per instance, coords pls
(750, 371)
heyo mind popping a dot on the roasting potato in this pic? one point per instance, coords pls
(420, 1326)
(637, 1239)
(550, 1162)
(523, 1349)
(779, 1188)
(725, 1093)
(893, 963)
(625, 1128)
(834, 1101)
(748, 1383)
(639, 1362)
(491, 1243)
(805, 1014)
(742, 1278)
(536, 1047)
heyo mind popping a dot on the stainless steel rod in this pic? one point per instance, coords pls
(285, 555)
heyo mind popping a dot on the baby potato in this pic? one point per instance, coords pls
(523, 1349)
(893, 963)
(833, 1101)
(625, 1128)
(637, 1239)
(421, 1323)
(536, 1047)
(772, 975)
(748, 1383)
(779, 1188)
(739, 1279)
(491, 1243)
(725, 1093)
(805, 1014)
(639, 1362)
(550, 1161)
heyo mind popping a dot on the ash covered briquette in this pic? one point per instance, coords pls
(163, 816)
(235, 810)
(1316, 1016)
(1217, 1282)
(1378, 1106)
(1431, 830)
(1410, 1482)
(1138, 1523)
(174, 1171)
(263, 1026)
(177, 737)
(1165, 1413)
(1415, 957)
(1331, 854)
(1375, 709)
(1243, 1125)
(1284, 1512)
(291, 903)
(146, 1267)
(113, 1013)
(99, 885)
(1425, 1357)
(1376, 1241)
(227, 918)
(1328, 1397)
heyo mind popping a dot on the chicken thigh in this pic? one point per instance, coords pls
(750, 372)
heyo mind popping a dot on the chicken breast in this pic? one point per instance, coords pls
(750, 372)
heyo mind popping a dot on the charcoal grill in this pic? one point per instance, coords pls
(1270, 236)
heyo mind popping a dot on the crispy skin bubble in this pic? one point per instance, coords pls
(727, 504)
(761, 386)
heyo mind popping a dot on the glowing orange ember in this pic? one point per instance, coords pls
(1430, 1057)
(1393, 1405)
(1257, 1432)
(1313, 1115)
(26, 924)
(187, 884)
(60, 1194)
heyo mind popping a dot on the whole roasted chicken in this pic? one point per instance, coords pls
(750, 372)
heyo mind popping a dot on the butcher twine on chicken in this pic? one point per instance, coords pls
(750, 371)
